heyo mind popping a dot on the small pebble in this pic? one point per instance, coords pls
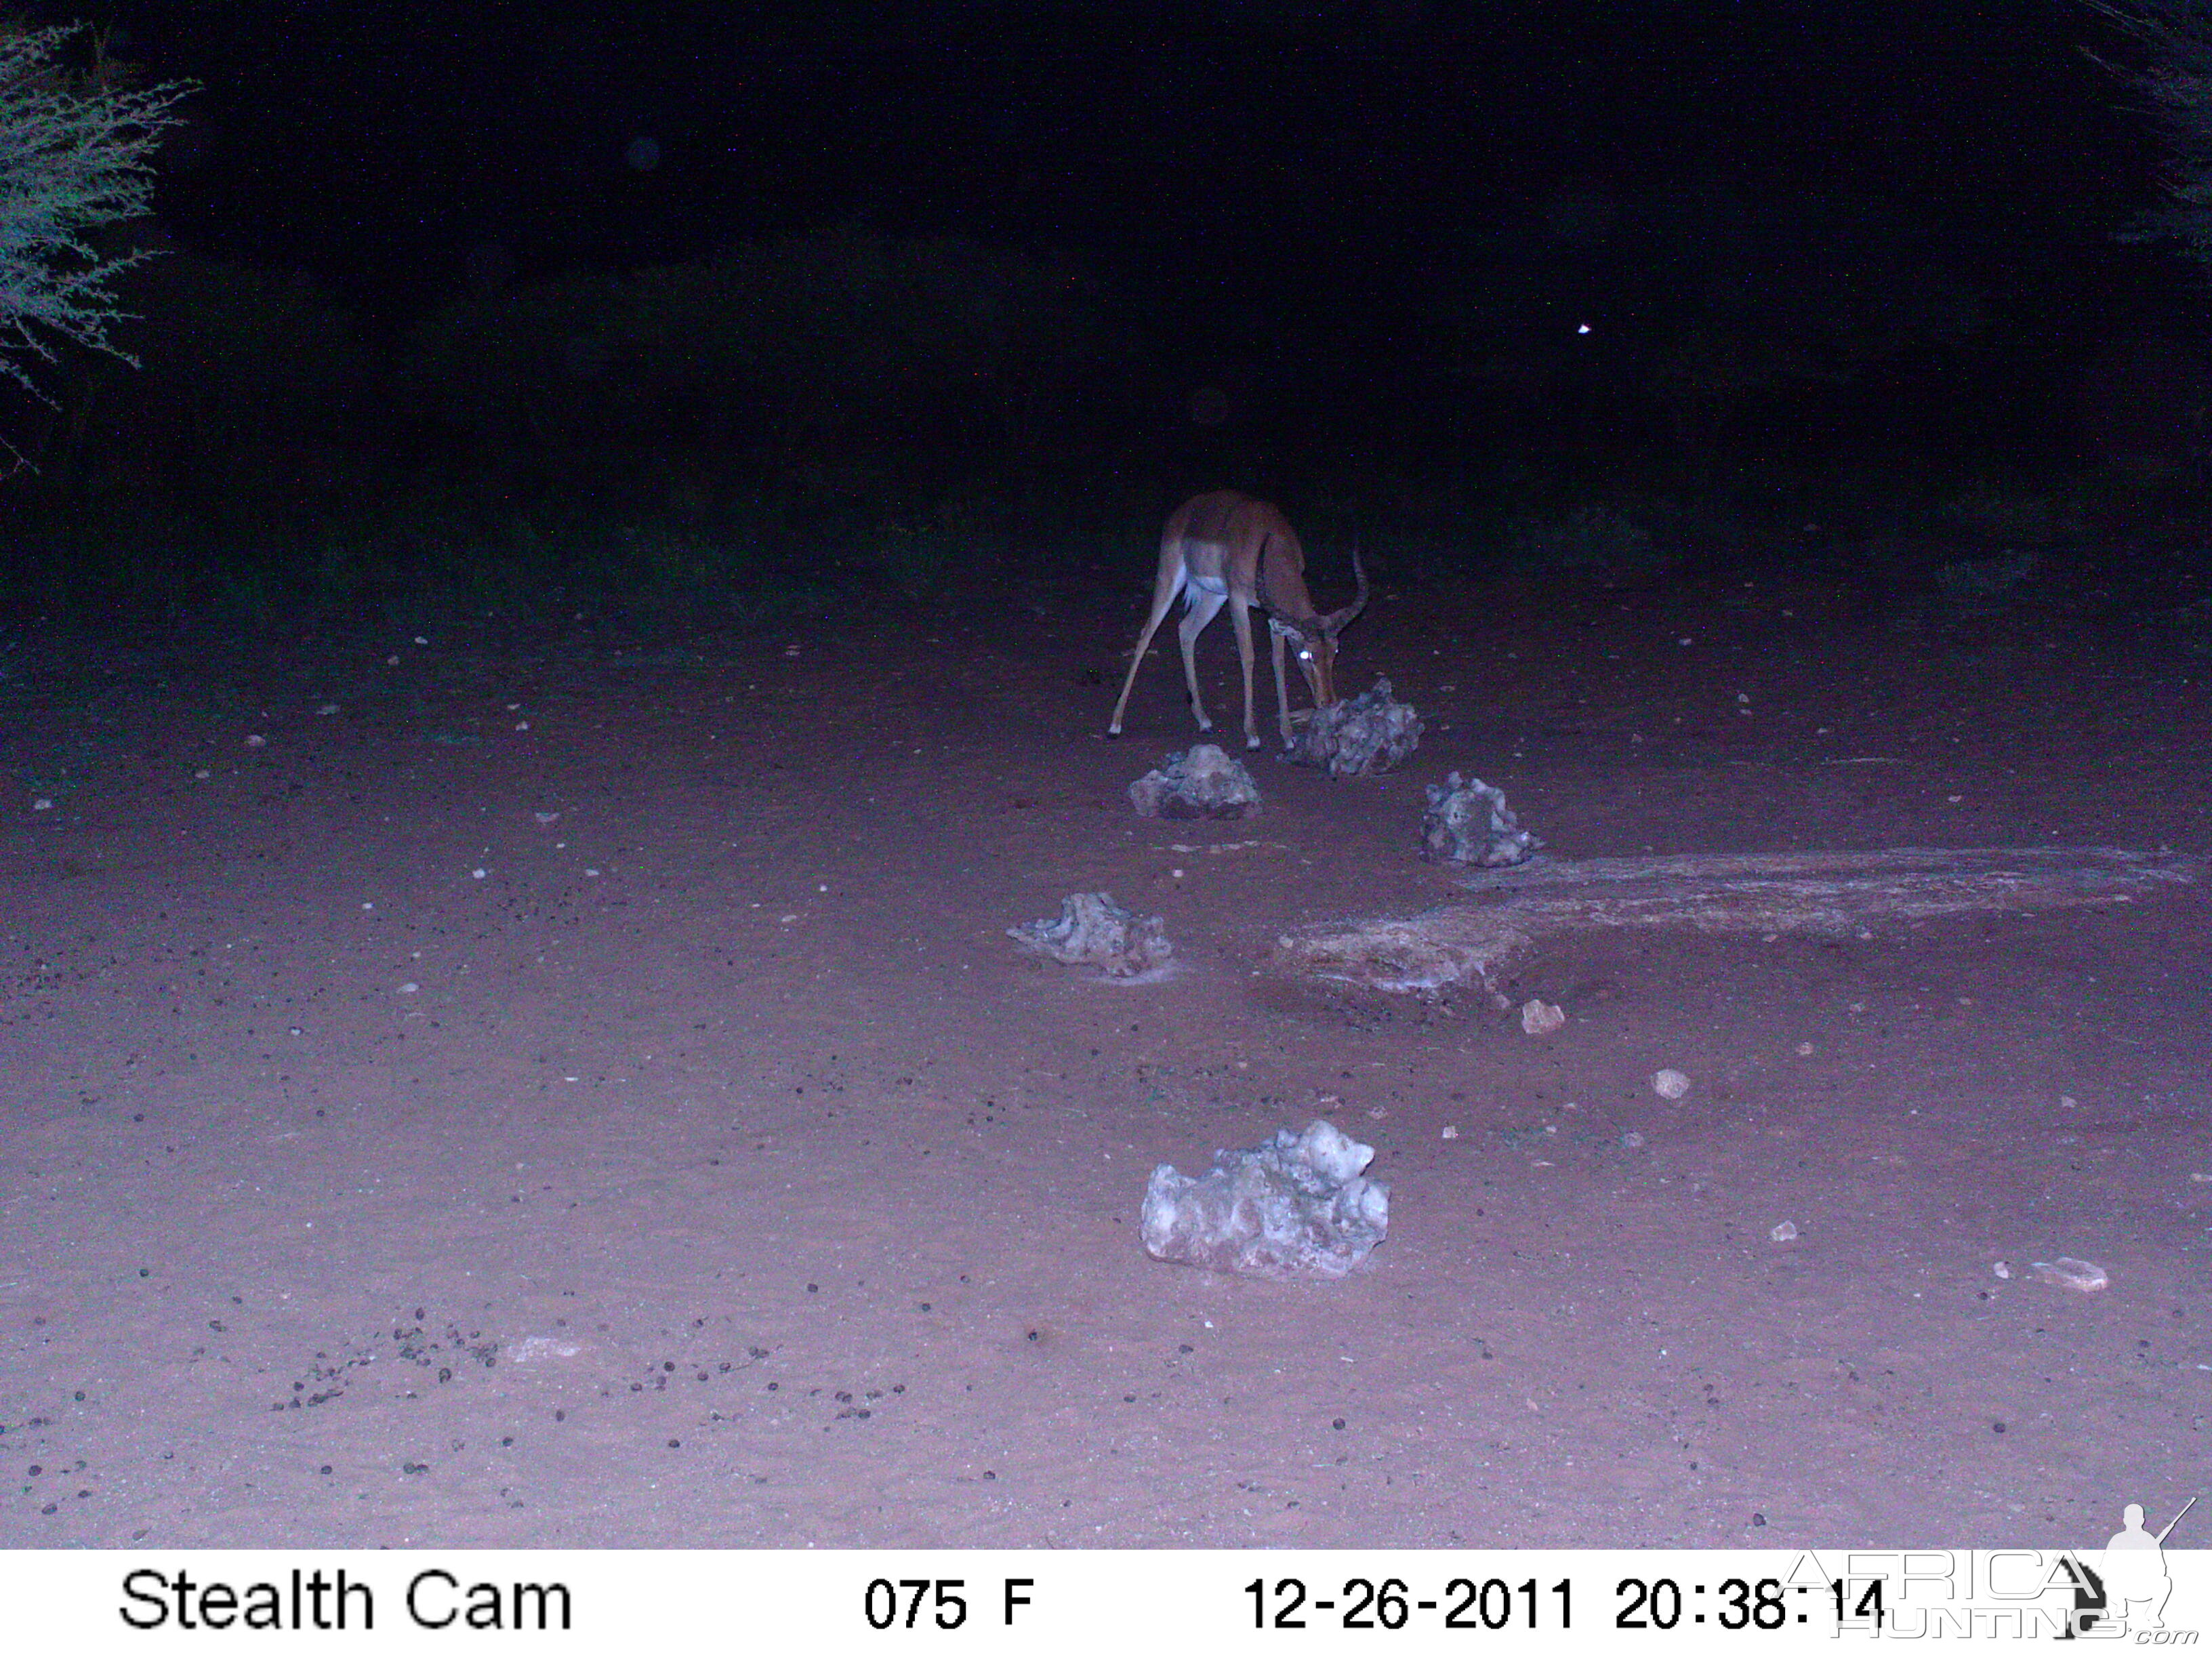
(2073, 1274)
(1541, 1019)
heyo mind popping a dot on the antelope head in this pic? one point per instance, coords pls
(1312, 638)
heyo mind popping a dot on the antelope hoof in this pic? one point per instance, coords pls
(1115, 729)
(1252, 743)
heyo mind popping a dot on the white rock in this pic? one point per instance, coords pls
(1293, 1207)
(536, 1350)
(1092, 929)
(1541, 1019)
(2073, 1274)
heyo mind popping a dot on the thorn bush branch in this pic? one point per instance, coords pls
(74, 158)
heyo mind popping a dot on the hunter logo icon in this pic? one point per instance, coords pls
(2135, 1580)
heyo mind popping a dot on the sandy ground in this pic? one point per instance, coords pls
(529, 1093)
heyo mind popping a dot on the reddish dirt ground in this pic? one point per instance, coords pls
(519, 1094)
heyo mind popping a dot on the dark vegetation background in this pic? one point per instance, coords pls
(711, 311)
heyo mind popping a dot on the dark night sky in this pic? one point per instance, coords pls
(1210, 156)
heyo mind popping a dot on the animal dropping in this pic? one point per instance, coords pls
(1296, 1206)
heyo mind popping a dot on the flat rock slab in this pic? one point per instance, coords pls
(1832, 895)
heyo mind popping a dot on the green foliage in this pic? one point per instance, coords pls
(1980, 587)
(1696, 301)
(243, 369)
(793, 348)
(1590, 536)
(1994, 512)
(535, 365)
(73, 159)
(930, 556)
(2177, 82)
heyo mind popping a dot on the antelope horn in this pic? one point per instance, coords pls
(1337, 620)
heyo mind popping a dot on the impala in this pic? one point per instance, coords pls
(1227, 549)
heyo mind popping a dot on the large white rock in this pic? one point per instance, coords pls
(1296, 1206)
